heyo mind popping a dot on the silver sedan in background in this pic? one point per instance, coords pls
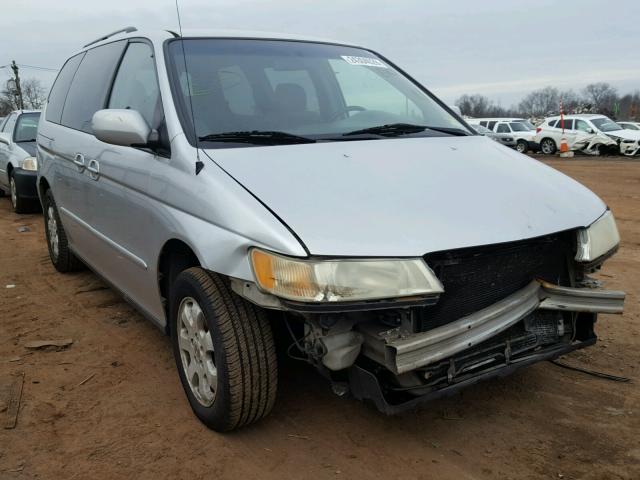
(18, 164)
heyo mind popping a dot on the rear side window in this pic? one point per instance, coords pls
(89, 89)
(568, 124)
(60, 88)
(136, 86)
(552, 123)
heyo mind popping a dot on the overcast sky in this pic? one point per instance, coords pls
(502, 49)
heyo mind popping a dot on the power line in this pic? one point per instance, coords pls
(35, 67)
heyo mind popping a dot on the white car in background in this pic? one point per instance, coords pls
(630, 125)
(591, 133)
(517, 133)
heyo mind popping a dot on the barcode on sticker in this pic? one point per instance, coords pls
(365, 61)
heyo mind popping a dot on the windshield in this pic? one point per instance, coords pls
(605, 124)
(311, 90)
(519, 127)
(26, 127)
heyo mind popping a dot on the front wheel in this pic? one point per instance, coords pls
(19, 204)
(224, 351)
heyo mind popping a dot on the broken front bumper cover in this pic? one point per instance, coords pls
(401, 352)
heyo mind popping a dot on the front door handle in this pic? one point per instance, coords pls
(94, 169)
(79, 161)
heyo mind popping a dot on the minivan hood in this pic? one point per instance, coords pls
(409, 197)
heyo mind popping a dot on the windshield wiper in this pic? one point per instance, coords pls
(397, 129)
(256, 137)
(391, 129)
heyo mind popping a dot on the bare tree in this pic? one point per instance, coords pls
(602, 97)
(540, 103)
(33, 95)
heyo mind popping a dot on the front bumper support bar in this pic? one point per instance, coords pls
(401, 352)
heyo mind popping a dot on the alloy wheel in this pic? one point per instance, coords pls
(547, 147)
(196, 351)
(14, 193)
(52, 232)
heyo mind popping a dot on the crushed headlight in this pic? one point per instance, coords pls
(599, 238)
(30, 163)
(345, 280)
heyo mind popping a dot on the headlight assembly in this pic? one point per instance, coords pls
(600, 238)
(30, 163)
(342, 280)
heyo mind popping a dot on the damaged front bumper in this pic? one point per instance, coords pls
(400, 352)
(480, 346)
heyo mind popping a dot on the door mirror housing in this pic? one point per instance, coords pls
(5, 138)
(591, 130)
(121, 127)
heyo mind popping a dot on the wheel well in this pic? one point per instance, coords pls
(43, 186)
(175, 257)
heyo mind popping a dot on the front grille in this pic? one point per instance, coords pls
(475, 278)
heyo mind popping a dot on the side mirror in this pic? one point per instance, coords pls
(120, 127)
(590, 130)
(5, 138)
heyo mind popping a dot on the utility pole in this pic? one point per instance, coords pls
(14, 67)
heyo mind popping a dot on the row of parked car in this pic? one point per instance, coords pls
(589, 133)
(230, 183)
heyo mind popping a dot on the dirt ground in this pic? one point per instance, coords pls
(111, 406)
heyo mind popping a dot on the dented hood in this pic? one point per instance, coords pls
(409, 197)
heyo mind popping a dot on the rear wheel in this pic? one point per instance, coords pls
(224, 351)
(548, 146)
(522, 146)
(61, 256)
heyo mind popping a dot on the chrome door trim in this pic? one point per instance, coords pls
(134, 258)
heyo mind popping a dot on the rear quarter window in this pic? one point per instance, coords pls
(90, 86)
(60, 88)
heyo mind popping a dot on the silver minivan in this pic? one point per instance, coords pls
(232, 184)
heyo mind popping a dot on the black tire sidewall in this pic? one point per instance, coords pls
(216, 415)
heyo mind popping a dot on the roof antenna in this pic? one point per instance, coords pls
(199, 164)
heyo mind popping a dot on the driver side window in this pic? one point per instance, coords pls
(136, 85)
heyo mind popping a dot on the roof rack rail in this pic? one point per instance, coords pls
(122, 30)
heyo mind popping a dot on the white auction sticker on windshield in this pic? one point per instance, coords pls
(364, 61)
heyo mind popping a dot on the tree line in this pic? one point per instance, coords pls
(594, 98)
